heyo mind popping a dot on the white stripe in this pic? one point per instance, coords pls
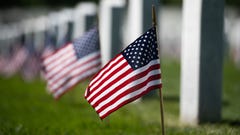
(72, 66)
(61, 67)
(106, 68)
(142, 69)
(60, 60)
(123, 89)
(58, 54)
(73, 81)
(108, 81)
(108, 73)
(84, 67)
(129, 96)
(71, 74)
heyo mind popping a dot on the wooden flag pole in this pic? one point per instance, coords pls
(160, 91)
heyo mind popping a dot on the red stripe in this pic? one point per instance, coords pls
(128, 91)
(65, 66)
(106, 67)
(68, 89)
(59, 61)
(140, 75)
(56, 51)
(64, 91)
(110, 84)
(108, 71)
(77, 66)
(109, 76)
(74, 76)
(130, 100)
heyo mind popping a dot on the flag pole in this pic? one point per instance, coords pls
(154, 24)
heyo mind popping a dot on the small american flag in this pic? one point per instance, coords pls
(69, 65)
(131, 74)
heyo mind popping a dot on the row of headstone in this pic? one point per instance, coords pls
(66, 25)
(122, 21)
(35, 34)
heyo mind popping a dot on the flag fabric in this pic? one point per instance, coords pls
(17, 60)
(131, 74)
(31, 67)
(72, 63)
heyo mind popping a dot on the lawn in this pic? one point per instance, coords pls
(26, 108)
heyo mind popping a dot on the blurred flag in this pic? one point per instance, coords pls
(128, 76)
(31, 67)
(16, 61)
(72, 63)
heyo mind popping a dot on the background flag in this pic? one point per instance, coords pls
(72, 63)
(128, 76)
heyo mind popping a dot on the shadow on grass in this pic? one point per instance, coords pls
(234, 123)
(168, 98)
(171, 98)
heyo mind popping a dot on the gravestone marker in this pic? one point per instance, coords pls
(202, 60)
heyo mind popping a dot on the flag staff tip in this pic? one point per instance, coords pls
(154, 23)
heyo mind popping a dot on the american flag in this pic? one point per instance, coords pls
(131, 74)
(17, 60)
(72, 63)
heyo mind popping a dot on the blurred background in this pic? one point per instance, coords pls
(36, 24)
(30, 29)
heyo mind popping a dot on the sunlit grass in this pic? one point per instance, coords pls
(26, 108)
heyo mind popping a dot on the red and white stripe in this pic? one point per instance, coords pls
(64, 70)
(117, 84)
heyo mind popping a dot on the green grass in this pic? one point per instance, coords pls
(26, 108)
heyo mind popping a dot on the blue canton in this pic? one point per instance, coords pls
(87, 44)
(142, 50)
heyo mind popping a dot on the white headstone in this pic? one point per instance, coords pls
(84, 15)
(65, 18)
(202, 59)
(138, 18)
(110, 23)
(39, 28)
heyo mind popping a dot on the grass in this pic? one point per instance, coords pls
(26, 109)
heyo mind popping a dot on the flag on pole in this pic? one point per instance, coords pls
(72, 63)
(131, 74)
(16, 61)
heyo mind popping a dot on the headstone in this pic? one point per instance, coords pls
(111, 21)
(28, 26)
(65, 18)
(52, 30)
(202, 59)
(139, 20)
(39, 28)
(84, 18)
